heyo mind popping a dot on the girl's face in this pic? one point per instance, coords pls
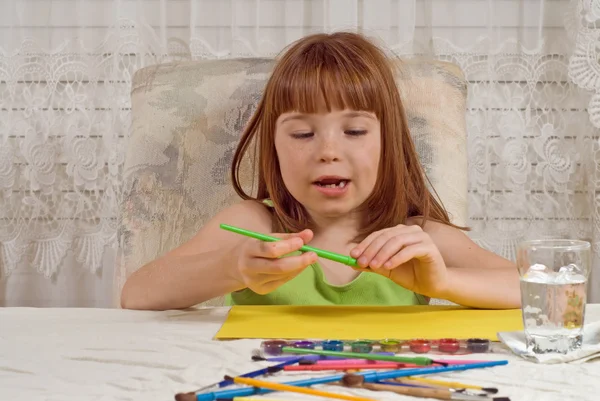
(329, 162)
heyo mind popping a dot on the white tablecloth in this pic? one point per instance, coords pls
(112, 354)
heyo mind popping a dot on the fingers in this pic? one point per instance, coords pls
(422, 276)
(271, 284)
(276, 249)
(425, 252)
(280, 266)
(377, 249)
(393, 246)
(267, 265)
(288, 243)
(265, 275)
(359, 249)
(416, 251)
(306, 235)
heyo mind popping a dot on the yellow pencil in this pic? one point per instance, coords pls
(449, 384)
(296, 389)
(259, 399)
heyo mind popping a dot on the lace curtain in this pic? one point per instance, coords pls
(65, 74)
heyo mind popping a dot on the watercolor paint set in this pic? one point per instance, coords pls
(447, 346)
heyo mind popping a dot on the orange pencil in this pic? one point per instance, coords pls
(296, 389)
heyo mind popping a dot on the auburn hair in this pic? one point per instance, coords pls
(340, 71)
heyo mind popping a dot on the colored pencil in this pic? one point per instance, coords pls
(255, 373)
(435, 393)
(296, 389)
(265, 371)
(456, 361)
(346, 366)
(351, 362)
(316, 358)
(345, 259)
(419, 360)
(260, 399)
(369, 377)
(448, 384)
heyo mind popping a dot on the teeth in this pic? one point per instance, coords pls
(341, 184)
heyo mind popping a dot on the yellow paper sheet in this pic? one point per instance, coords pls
(367, 322)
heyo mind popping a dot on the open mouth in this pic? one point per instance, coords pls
(332, 183)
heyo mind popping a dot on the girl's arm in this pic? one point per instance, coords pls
(200, 269)
(476, 277)
(483, 288)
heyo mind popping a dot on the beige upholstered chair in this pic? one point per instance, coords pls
(187, 118)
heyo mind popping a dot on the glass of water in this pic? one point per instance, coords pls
(554, 275)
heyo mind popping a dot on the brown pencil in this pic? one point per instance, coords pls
(439, 394)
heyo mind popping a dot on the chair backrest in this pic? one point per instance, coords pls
(186, 121)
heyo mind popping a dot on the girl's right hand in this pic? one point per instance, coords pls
(263, 267)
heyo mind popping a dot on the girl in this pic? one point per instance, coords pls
(338, 170)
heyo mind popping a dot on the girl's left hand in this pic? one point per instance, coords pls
(407, 255)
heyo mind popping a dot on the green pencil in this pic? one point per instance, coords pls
(419, 360)
(347, 260)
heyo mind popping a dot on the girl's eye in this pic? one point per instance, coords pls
(302, 135)
(356, 132)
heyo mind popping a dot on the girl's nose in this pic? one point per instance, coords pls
(328, 157)
(329, 150)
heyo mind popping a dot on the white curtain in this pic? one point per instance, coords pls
(65, 73)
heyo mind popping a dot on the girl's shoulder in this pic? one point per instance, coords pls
(258, 212)
(261, 208)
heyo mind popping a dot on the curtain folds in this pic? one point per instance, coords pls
(65, 73)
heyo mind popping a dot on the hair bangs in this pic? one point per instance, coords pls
(322, 80)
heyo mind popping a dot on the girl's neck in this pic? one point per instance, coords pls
(340, 230)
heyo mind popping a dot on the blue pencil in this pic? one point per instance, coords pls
(255, 373)
(369, 377)
(268, 370)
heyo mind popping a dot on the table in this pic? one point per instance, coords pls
(81, 354)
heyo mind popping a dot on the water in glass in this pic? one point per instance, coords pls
(553, 297)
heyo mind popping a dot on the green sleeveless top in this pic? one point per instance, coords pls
(311, 288)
